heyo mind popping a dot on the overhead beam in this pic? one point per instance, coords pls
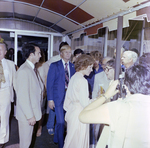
(16, 19)
(38, 10)
(69, 13)
(28, 32)
(130, 10)
(48, 11)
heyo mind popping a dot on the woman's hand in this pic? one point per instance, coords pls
(111, 91)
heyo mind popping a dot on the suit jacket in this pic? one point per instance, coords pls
(53, 59)
(6, 95)
(100, 79)
(56, 82)
(12, 72)
(29, 91)
(43, 70)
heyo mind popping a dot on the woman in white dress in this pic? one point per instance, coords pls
(77, 97)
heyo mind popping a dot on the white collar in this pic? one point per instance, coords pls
(31, 64)
(65, 62)
(3, 60)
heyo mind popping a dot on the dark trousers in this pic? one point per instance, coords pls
(2, 145)
(92, 135)
(59, 127)
(51, 119)
(34, 135)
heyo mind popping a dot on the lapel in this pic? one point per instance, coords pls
(33, 73)
(41, 83)
(61, 70)
(71, 66)
(10, 70)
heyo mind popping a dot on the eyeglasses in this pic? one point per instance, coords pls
(107, 69)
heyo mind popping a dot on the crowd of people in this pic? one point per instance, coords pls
(79, 96)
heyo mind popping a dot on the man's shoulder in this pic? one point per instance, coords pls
(56, 62)
(56, 57)
(72, 65)
(53, 59)
(56, 65)
(24, 68)
(100, 74)
(10, 62)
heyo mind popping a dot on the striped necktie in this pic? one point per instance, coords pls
(66, 75)
(2, 78)
(36, 72)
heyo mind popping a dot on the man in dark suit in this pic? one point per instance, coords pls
(57, 82)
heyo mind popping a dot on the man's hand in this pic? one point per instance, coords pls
(51, 104)
(32, 121)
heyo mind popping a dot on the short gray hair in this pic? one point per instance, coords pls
(132, 55)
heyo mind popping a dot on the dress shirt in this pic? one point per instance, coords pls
(6, 74)
(31, 64)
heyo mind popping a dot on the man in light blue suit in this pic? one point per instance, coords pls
(57, 83)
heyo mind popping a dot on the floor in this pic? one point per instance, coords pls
(44, 141)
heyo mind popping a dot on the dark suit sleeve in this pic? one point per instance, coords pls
(50, 81)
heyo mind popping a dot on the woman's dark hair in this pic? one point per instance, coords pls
(135, 50)
(83, 61)
(96, 55)
(78, 51)
(111, 63)
(27, 49)
(137, 79)
(145, 59)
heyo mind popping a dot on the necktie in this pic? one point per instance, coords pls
(2, 78)
(38, 76)
(66, 75)
(36, 72)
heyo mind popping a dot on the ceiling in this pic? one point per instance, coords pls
(70, 16)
